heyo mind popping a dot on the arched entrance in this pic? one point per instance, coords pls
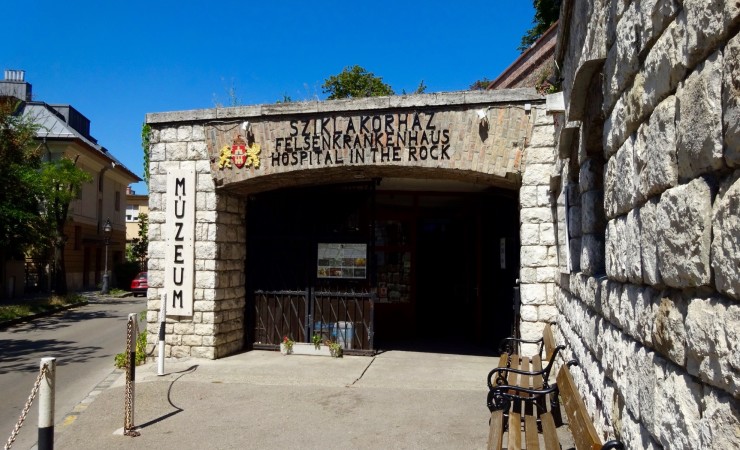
(432, 267)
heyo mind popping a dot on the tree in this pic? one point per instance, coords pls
(480, 85)
(60, 181)
(139, 246)
(355, 82)
(19, 161)
(146, 134)
(546, 13)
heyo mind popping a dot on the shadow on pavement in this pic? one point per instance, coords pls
(15, 353)
(177, 410)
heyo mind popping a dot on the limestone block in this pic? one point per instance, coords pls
(707, 23)
(535, 215)
(197, 151)
(540, 155)
(531, 331)
(591, 175)
(669, 335)
(192, 340)
(663, 65)
(677, 407)
(592, 212)
(720, 420)
(545, 274)
(699, 120)
(684, 218)
(198, 133)
(184, 133)
(575, 251)
(615, 249)
(627, 309)
(203, 352)
(646, 364)
(592, 254)
(168, 135)
(619, 181)
(648, 242)
(631, 242)
(654, 17)
(177, 151)
(528, 196)
(206, 280)
(206, 250)
(543, 195)
(528, 275)
(547, 234)
(528, 313)
(711, 355)
(157, 153)
(622, 60)
(574, 221)
(645, 315)
(731, 101)
(536, 174)
(655, 151)
(543, 136)
(726, 237)
(611, 296)
(533, 294)
(530, 234)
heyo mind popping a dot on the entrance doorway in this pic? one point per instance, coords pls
(439, 272)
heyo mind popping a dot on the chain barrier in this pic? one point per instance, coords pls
(128, 421)
(44, 370)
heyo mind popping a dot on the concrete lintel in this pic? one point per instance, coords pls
(439, 99)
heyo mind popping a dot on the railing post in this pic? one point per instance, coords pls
(46, 404)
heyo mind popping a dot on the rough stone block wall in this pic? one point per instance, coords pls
(657, 328)
(539, 258)
(216, 328)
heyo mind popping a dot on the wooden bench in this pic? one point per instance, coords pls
(525, 371)
(539, 429)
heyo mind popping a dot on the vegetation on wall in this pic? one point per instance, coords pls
(146, 134)
(355, 82)
(546, 13)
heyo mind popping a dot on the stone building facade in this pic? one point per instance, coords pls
(648, 203)
(488, 140)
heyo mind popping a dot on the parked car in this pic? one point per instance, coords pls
(140, 284)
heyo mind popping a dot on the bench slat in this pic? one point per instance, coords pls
(515, 432)
(549, 432)
(549, 341)
(530, 430)
(503, 360)
(584, 432)
(496, 430)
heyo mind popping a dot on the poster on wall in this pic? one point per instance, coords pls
(346, 261)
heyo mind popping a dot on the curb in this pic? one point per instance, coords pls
(32, 317)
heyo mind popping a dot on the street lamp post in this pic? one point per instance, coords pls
(107, 228)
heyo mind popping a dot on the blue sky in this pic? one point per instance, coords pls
(117, 61)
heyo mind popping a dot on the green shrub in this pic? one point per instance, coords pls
(121, 359)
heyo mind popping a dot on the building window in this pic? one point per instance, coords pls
(118, 200)
(132, 213)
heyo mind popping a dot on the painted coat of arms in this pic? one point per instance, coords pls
(240, 154)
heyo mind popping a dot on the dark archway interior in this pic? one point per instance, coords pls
(441, 264)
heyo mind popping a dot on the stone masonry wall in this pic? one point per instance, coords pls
(539, 257)
(216, 327)
(655, 323)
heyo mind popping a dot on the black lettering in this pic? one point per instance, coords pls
(374, 151)
(412, 154)
(396, 153)
(401, 138)
(179, 184)
(338, 157)
(178, 255)
(277, 143)
(417, 123)
(178, 236)
(413, 137)
(325, 126)
(336, 143)
(305, 128)
(385, 154)
(315, 143)
(350, 126)
(327, 158)
(175, 296)
(435, 140)
(304, 156)
(389, 123)
(432, 149)
(403, 120)
(423, 153)
(424, 138)
(275, 158)
(444, 154)
(429, 122)
(181, 213)
(389, 139)
(174, 275)
(293, 128)
(289, 145)
(363, 123)
(445, 137)
(294, 158)
(376, 124)
(347, 141)
(286, 158)
(359, 156)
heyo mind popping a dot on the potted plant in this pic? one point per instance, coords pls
(286, 347)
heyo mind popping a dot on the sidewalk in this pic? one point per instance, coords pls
(263, 399)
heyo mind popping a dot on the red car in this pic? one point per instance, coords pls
(139, 284)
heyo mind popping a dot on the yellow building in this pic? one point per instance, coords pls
(135, 206)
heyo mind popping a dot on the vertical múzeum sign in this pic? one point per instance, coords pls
(179, 233)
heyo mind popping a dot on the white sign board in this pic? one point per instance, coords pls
(179, 232)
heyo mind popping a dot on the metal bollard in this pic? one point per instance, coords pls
(162, 319)
(132, 333)
(46, 404)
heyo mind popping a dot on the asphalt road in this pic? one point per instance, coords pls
(84, 340)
